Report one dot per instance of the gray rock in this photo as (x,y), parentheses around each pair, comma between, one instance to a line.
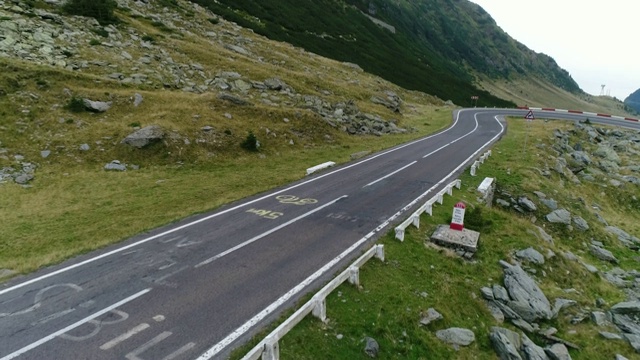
(506,343)
(45,153)
(500,293)
(569,256)
(560,216)
(626,308)
(431,316)
(550,203)
(145,136)
(620,357)
(580,223)
(532,351)
(592,269)
(456,336)
(602,254)
(626,324)
(275,84)
(85,147)
(622,235)
(558,352)
(546,237)
(599,318)
(238,49)
(527,204)
(610,336)
(96,106)
(562,304)
(608,154)
(634,341)
(371,347)
(531,255)
(495,311)
(233,99)
(503,203)
(137,99)
(523,289)
(115,165)
(23,179)
(581,157)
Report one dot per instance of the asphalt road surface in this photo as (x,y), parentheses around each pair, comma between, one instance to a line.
(200,287)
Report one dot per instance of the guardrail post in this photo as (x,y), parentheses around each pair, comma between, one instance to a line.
(440,199)
(489,152)
(458,183)
(320,308)
(429,208)
(473,170)
(450,190)
(271,349)
(400,233)
(416,220)
(380,252)
(354,276)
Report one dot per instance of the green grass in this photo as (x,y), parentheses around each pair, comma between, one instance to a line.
(388,305)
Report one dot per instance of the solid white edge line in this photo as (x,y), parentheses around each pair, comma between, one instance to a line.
(71,267)
(393,173)
(73,326)
(213,351)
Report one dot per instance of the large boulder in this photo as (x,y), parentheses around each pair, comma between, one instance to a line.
(524,291)
(96,106)
(456,336)
(145,136)
(506,343)
(560,216)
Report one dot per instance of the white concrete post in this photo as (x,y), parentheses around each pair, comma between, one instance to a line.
(440,199)
(271,349)
(380,252)
(450,190)
(320,308)
(354,275)
(473,170)
(400,233)
(416,220)
(429,208)
(458,183)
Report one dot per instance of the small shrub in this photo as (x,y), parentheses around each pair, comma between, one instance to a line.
(161,26)
(67,53)
(75,105)
(42,84)
(588,122)
(148,38)
(474,219)
(100,32)
(227,131)
(214,21)
(69,121)
(101,10)
(250,143)
(135,124)
(94,42)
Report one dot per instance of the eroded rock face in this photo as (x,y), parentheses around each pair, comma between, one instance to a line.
(144,137)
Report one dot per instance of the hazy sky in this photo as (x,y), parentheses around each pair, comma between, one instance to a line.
(595,41)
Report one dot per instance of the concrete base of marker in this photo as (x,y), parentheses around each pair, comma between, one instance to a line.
(466,240)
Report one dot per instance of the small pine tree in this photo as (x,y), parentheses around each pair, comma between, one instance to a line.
(250,143)
(101,10)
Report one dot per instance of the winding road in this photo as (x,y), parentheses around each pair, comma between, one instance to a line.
(200,287)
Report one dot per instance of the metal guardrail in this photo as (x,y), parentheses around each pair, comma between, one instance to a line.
(414,219)
(477,163)
(268,349)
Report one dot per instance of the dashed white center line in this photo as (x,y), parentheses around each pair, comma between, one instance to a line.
(393,173)
(117,340)
(239,246)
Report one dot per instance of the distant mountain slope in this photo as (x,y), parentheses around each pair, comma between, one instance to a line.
(437,47)
(633,101)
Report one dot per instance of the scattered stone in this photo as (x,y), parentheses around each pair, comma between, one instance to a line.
(532,351)
(524,290)
(599,318)
(144,137)
(558,352)
(371,347)
(96,106)
(580,223)
(45,153)
(531,255)
(137,99)
(85,147)
(527,204)
(431,316)
(456,336)
(233,99)
(560,216)
(506,343)
(603,254)
(611,336)
(115,165)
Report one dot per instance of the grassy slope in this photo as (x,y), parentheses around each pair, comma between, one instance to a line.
(389,303)
(74,206)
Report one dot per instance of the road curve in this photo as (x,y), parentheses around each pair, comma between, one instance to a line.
(204,285)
